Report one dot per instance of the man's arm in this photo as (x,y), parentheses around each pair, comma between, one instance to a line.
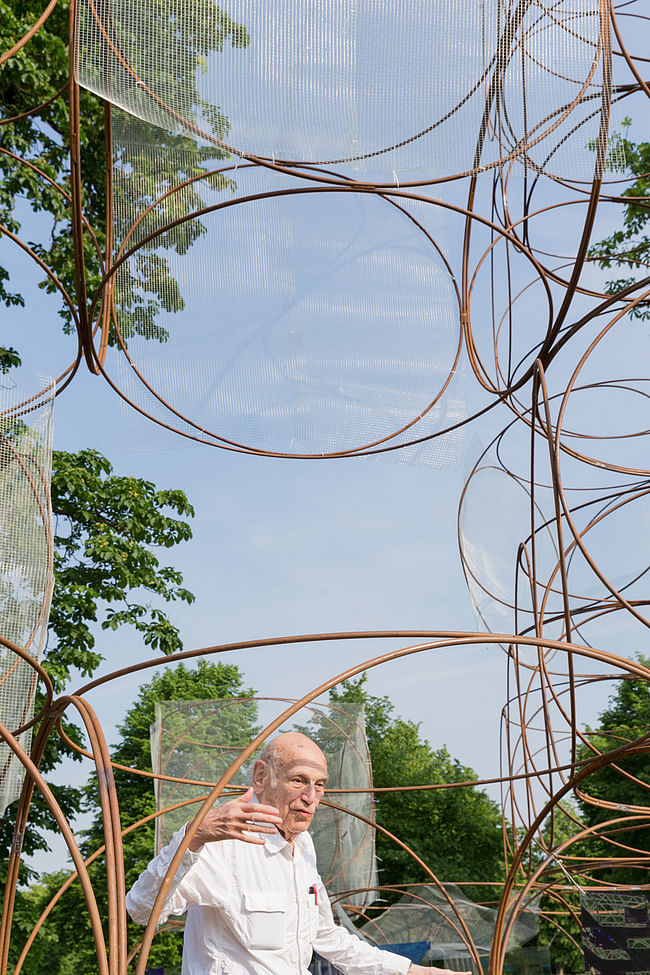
(356,957)
(141,897)
(235,820)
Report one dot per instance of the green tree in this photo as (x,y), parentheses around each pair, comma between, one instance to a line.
(107,531)
(628,247)
(51,947)
(457,832)
(67,932)
(626,783)
(35,164)
(107,527)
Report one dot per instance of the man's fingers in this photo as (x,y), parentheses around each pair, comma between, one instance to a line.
(240,819)
(250,838)
(263,812)
(255,817)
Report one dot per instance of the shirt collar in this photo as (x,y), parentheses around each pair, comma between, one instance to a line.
(275,842)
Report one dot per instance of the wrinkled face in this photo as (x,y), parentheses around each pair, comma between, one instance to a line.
(295,786)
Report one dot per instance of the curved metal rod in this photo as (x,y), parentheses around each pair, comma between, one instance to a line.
(74,876)
(115,886)
(29,34)
(507,912)
(71,843)
(83,320)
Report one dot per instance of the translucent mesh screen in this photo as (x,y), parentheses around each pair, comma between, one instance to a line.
(426,915)
(25,567)
(495,522)
(438,87)
(304,322)
(200,739)
(508,538)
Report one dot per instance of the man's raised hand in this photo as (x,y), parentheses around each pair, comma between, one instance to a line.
(237,820)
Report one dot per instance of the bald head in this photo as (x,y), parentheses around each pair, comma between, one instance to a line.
(291,775)
(292,747)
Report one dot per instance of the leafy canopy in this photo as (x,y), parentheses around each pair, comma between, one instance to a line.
(107,528)
(66,941)
(457,832)
(629,245)
(35,164)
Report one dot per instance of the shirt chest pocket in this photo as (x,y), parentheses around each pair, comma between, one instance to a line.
(265,918)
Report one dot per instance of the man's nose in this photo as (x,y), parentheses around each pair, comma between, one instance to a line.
(309,792)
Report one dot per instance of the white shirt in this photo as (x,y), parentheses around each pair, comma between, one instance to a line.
(255,910)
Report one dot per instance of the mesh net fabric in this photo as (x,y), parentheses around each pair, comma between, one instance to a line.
(494,528)
(25,566)
(199,740)
(433,88)
(323,322)
(429,917)
(345,844)
(311,323)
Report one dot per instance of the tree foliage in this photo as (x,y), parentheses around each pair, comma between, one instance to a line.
(628,246)
(457,832)
(67,941)
(9,359)
(35,163)
(627,783)
(108,529)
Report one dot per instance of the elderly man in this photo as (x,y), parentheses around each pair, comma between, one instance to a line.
(257,906)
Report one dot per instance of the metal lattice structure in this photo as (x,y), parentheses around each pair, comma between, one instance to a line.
(404,204)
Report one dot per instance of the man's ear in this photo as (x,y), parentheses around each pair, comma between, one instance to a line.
(259,776)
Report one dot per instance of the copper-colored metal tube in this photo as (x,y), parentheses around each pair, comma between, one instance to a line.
(19,45)
(66,832)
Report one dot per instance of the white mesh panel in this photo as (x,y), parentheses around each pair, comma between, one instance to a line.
(25,566)
(434,87)
(310,323)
